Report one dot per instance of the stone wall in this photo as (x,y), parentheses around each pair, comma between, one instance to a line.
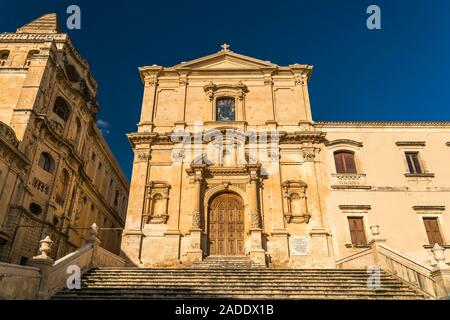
(18,282)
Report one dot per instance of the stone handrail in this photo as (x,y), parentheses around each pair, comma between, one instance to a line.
(433,281)
(106,258)
(406,268)
(356,260)
(58,273)
(54,275)
(394,262)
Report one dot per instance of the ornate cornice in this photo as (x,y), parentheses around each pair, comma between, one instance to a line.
(302,137)
(142,138)
(212,89)
(32,37)
(293,184)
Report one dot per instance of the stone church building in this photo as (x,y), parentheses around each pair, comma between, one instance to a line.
(57,174)
(228,162)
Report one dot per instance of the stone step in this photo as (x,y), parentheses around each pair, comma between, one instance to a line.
(188,294)
(224,271)
(236,283)
(239,277)
(250,290)
(238,280)
(244,288)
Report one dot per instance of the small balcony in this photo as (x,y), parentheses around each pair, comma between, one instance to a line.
(349,181)
(59,200)
(40,186)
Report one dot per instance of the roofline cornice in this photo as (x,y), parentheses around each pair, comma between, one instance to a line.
(391,124)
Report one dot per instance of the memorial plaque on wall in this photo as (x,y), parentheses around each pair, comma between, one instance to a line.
(299,245)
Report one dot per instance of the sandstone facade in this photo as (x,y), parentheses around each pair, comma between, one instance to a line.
(265,180)
(57,174)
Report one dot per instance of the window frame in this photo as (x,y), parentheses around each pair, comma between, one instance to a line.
(414,163)
(345,162)
(225,97)
(46,162)
(432,239)
(354,241)
(65,115)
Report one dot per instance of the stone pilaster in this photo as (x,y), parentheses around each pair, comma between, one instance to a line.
(257,253)
(195,252)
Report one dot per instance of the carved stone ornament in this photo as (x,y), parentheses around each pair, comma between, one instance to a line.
(143,155)
(57,127)
(295,202)
(156,203)
(211,89)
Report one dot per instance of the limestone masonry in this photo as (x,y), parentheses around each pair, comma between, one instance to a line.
(229,162)
(57,174)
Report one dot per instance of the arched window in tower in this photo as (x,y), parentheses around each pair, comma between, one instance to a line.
(4,54)
(30,54)
(225,109)
(345,162)
(61,108)
(46,162)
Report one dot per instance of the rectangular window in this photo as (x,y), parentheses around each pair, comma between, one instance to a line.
(414,166)
(357,233)
(345,162)
(433,232)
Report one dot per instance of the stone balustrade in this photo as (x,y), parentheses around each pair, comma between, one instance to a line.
(44,277)
(433,280)
(343,180)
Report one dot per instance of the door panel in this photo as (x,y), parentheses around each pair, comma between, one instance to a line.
(226,225)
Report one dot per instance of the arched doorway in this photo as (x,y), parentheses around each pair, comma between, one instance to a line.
(226,225)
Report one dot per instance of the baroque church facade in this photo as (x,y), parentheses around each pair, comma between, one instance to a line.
(57,174)
(229,162)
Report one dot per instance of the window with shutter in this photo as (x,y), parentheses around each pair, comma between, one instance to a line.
(432,229)
(412,158)
(345,162)
(357,232)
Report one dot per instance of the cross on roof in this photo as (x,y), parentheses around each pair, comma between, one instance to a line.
(225,47)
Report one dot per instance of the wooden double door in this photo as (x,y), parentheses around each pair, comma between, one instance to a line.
(226,225)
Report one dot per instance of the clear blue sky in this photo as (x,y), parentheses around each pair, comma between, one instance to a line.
(398,73)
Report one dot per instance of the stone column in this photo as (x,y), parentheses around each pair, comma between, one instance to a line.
(195,252)
(257,253)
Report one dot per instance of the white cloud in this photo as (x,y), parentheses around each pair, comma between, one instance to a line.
(103,127)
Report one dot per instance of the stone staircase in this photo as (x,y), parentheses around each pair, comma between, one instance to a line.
(236,278)
(226,262)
